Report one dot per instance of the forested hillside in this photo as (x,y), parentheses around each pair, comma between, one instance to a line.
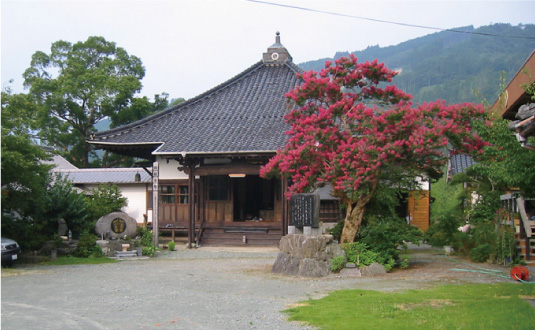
(451,66)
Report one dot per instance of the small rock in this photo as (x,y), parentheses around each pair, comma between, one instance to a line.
(373,269)
(350,272)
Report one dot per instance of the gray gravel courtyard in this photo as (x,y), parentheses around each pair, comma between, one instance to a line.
(206,288)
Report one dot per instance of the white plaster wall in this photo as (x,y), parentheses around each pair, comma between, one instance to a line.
(136,195)
(137,200)
(169,171)
(424,184)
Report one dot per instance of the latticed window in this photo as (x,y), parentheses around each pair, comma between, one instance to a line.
(183,194)
(173,194)
(218,188)
(330,211)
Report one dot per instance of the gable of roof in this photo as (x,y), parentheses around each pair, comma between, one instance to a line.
(59,163)
(243,115)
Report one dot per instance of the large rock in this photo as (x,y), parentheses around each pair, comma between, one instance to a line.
(116,225)
(307,256)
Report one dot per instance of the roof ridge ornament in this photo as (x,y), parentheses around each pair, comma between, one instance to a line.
(277,53)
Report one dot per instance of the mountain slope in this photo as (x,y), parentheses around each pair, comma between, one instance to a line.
(451,66)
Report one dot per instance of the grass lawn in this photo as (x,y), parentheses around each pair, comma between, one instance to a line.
(79,261)
(481,306)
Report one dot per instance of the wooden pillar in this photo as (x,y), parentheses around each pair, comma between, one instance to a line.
(191,199)
(155,205)
(284,189)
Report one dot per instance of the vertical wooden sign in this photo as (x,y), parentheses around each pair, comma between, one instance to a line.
(155,202)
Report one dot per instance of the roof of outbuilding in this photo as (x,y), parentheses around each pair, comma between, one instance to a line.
(243,115)
(460,162)
(60,163)
(105,175)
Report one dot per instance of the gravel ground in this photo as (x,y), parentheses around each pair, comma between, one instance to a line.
(205,288)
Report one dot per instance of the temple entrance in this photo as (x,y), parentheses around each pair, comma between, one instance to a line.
(254,198)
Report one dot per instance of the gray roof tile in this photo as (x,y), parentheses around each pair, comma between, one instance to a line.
(460,162)
(105,175)
(244,114)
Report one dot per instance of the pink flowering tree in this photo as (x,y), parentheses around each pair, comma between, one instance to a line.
(353,130)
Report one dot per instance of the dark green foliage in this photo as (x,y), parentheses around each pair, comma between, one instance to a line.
(24,175)
(463,242)
(505,245)
(338,263)
(443,231)
(63,202)
(361,255)
(386,235)
(148,247)
(336,231)
(504,164)
(87,247)
(77,85)
(451,66)
(105,199)
(447,199)
(139,109)
(481,253)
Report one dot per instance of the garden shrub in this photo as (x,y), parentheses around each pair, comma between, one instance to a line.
(338,263)
(62,201)
(106,198)
(336,231)
(171,246)
(359,254)
(480,253)
(404,262)
(386,236)
(443,231)
(87,247)
(148,247)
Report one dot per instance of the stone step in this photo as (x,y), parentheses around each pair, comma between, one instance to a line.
(126,254)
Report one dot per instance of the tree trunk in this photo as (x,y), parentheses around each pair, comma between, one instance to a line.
(105,159)
(353,219)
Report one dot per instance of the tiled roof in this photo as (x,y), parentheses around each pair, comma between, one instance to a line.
(244,114)
(459,162)
(105,175)
(60,163)
(325,192)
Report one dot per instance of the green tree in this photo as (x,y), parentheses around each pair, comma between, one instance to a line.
(505,163)
(24,174)
(104,199)
(77,85)
(64,202)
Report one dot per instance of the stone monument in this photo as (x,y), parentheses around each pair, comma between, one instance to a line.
(116,225)
(304,214)
(304,251)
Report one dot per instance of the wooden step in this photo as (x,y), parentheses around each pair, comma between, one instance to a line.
(523,249)
(238,237)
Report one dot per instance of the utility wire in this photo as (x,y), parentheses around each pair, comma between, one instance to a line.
(389,22)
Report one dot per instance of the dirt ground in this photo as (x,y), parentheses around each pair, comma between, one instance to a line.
(205,288)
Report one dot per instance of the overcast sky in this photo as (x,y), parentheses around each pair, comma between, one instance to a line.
(188,47)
